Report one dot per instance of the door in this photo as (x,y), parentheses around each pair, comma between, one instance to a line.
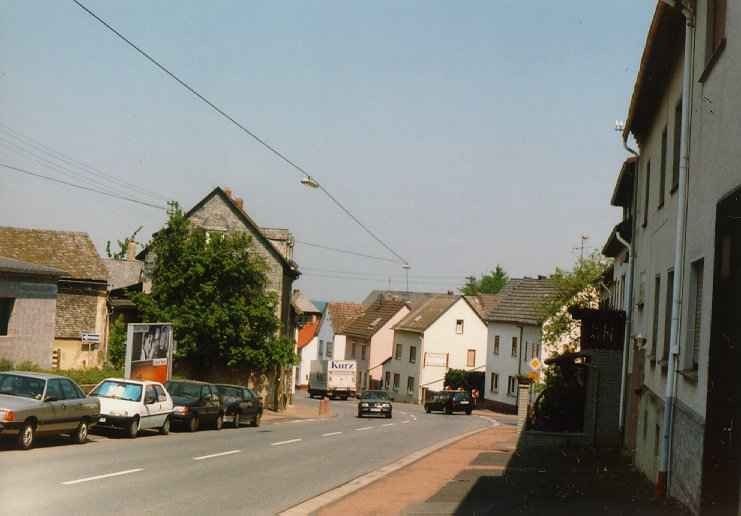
(249,404)
(151,410)
(74,402)
(164,406)
(720,493)
(210,402)
(60,417)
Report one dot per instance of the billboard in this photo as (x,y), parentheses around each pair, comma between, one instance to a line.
(149,351)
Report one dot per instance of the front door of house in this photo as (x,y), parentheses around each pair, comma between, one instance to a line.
(720,493)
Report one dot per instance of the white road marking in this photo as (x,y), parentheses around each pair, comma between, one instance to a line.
(230,452)
(388,424)
(405,422)
(413,417)
(100,477)
(330,434)
(280,443)
(363,428)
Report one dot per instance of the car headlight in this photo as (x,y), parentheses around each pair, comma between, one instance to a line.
(386,405)
(7,415)
(363,404)
(181,410)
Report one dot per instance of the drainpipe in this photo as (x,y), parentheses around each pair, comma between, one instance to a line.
(627,302)
(679,257)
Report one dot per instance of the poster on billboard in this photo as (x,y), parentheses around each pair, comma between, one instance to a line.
(149,351)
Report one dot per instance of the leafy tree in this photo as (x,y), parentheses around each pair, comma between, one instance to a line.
(117,343)
(580,288)
(490,283)
(212,287)
(455,378)
(123,246)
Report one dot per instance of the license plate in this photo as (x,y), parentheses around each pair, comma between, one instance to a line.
(101,420)
(375,410)
(464,403)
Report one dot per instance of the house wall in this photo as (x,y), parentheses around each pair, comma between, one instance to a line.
(340,347)
(382,343)
(353,351)
(404,368)
(216,215)
(306,355)
(504,364)
(31,326)
(80,312)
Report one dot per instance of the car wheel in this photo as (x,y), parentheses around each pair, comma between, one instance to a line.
(165,428)
(133,429)
(468,412)
(237,420)
(388,416)
(360,414)
(219,423)
(428,409)
(26,436)
(80,435)
(256,421)
(448,411)
(193,424)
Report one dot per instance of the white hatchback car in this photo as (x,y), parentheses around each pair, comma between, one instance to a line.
(133,405)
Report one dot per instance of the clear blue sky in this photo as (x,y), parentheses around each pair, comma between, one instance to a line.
(466,134)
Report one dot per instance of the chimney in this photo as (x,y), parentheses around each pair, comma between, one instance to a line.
(239,203)
(130,250)
(228,192)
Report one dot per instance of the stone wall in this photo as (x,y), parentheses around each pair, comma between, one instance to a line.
(685,477)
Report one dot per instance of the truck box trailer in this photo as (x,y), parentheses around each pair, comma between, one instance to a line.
(333,378)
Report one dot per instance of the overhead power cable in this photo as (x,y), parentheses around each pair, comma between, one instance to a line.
(244,129)
(345,251)
(81,187)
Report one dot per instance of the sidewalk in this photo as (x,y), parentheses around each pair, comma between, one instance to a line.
(487,474)
(293,412)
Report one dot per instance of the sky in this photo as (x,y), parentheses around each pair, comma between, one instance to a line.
(465,135)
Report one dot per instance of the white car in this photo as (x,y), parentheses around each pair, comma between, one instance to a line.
(133,405)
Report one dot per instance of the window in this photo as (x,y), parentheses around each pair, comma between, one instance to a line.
(647,193)
(716,28)
(645,425)
(247,395)
(662,170)
(6,308)
(54,390)
(354,350)
(494,384)
(677,145)
(387,383)
(397,354)
(397,381)
(410,385)
(695,328)
(514,346)
(321,348)
(657,439)
(471,358)
(330,349)
(655,330)
(459,327)
(363,352)
(161,395)
(149,395)
(412,354)
(668,315)
(496,344)
(511,386)
(70,390)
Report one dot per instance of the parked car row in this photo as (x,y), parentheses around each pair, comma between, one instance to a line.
(34,404)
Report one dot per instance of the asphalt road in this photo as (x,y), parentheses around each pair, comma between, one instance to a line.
(233,471)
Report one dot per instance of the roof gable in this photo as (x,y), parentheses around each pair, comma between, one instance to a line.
(425,315)
(69,251)
(521,300)
(375,317)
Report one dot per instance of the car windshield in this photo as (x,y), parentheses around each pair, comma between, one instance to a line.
(184,389)
(23,386)
(461,396)
(118,390)
(375,395)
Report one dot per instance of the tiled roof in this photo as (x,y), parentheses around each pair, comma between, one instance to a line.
(307,332)
(303,304)
(9,265)
(419,319)
(521,301)
(343,314)
(123,273)
(415,298)
(374,317)
(69,251)
(483,303)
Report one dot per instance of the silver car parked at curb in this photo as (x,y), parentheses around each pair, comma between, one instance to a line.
(36,403)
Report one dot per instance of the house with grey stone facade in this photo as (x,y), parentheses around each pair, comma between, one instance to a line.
(681,267)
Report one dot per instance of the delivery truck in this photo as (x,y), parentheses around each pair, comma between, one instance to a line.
(333,378)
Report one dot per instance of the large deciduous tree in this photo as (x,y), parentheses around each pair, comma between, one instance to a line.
(490,283)
(212,287)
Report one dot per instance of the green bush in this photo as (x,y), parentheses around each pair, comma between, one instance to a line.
(80,376)
(5,364)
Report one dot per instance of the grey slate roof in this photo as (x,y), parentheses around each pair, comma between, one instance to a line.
(422,317)
(483,303)
(9,265)
(415,298)
(303,304)
(521,300)
(123,273)
(70,251)
(343,314)
(374,317)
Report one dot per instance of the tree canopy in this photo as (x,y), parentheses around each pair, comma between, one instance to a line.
(579,287)
(212,287)
(490,283)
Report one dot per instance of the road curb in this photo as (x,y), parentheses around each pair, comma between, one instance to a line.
(318,502)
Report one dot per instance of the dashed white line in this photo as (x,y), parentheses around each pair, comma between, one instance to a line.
(361,429)
(100,477)
(405,422)
(388,424)
(280,443)
(330,434)
(230,452)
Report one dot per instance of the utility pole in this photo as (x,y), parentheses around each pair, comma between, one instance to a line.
(406,268)
(582,246)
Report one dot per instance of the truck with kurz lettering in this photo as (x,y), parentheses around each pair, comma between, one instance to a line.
(332,378)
